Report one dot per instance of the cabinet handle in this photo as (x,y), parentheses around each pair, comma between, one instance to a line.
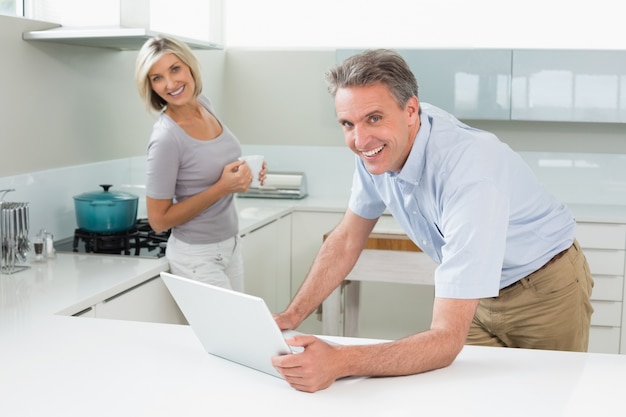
(81,312)
(260,227)
(113,297)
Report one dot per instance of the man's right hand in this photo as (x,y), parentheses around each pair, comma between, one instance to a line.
(285,321)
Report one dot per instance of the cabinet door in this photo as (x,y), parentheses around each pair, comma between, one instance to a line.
(469,83)
(150,301)
(267,263)
(308,229)
(604,247)
(582,86)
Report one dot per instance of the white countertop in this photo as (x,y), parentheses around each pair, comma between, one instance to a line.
(600,213)
(68,284)
(52,364)
(254,212)
(80,366)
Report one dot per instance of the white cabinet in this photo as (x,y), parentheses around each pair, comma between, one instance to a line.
(267,262)
(469,83)
(604,245)
(149,301)
(541,85)
(308,230)
(557,85)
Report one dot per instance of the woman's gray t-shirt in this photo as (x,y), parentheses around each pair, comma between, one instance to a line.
(180,166)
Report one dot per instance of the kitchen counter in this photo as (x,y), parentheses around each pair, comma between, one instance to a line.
(55,364)
(600,213)
(254,212)
(66,285)
(70,366)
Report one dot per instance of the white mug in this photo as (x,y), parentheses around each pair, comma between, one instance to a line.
(255,162)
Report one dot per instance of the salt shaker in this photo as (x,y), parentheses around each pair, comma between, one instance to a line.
(50,251)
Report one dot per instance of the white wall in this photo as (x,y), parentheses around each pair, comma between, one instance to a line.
(67,105)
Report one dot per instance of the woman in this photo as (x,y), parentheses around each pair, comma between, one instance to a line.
(193,169)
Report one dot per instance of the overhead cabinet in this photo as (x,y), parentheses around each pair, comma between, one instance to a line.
(471,84)
(582,86)
(537,85)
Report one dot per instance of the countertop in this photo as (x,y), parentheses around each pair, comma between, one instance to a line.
(66,285)
(72,366)
(255,211)
(54,364)
(599,213)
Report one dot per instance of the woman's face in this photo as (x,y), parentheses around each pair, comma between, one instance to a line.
(171,79)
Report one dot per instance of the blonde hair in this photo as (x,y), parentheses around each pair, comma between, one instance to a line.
(153,50)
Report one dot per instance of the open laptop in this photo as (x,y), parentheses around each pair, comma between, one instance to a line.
(230,324)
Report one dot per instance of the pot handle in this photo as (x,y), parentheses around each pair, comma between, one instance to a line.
(102,203)
(106,187)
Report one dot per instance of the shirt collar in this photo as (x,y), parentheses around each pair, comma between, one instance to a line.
(413,168)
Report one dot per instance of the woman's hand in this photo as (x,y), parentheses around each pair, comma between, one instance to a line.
(236,177)
(263,174)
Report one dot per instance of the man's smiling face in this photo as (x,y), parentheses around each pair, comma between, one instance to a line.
(375,127)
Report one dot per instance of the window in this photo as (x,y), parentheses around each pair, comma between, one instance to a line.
(424,24)
(12,7)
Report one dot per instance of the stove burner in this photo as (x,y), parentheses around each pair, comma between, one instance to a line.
(122,243)
(148,238)
(109,243)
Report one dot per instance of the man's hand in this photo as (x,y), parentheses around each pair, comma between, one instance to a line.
(313,369)
(285,321)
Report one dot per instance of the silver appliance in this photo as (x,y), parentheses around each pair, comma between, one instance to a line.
(287,185)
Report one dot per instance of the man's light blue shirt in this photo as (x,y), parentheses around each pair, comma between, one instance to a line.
(470,203)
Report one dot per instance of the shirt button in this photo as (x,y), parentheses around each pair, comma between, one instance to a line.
(424,243)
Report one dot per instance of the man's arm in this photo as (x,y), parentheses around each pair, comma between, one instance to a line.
(335,260)
(320,364)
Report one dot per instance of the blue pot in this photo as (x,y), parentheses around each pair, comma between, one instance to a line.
(106,211)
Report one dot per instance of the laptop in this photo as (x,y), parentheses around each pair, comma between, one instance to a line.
(230,324)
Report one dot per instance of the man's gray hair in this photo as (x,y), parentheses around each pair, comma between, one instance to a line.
(377,66)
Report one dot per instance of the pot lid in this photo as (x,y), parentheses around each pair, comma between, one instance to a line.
(106,195)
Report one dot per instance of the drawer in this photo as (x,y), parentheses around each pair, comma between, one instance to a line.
(605,262)
(607,287)
(604,339)
(606,313)
(601,235)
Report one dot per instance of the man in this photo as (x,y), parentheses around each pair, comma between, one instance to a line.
(510,272)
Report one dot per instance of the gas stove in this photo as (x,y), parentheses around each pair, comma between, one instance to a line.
(141,241)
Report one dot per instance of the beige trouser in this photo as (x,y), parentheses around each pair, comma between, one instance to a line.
(549,309)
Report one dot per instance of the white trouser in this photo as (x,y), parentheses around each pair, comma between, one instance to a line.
(219,264)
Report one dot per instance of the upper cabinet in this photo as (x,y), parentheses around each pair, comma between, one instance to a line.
(564,85)
(471,84)
(109,37)
(539,85)
(127,24)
